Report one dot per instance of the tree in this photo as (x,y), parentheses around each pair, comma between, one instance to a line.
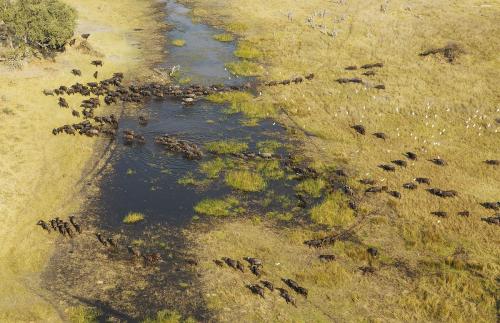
(44,24)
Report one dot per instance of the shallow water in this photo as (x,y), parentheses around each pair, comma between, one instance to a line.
(144,178)
(152,188)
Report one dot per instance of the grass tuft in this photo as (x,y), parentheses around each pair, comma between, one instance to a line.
(244,180)
(133,217)
(217,207)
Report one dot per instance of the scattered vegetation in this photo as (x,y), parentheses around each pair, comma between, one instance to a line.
(245,68)
(225,37)
(217,207)
(226,146)
(178,42)
(245,180)
(133,217)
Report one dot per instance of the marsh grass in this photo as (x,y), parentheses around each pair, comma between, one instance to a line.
(133,217)
(225,37)
(245,180)
(178,42)
(245,68)
(226,146)
(218,207)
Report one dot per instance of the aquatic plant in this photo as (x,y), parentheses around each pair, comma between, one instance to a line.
(244,180)
(133,217)
(217,207)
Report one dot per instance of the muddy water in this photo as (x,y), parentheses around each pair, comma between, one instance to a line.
(144,178)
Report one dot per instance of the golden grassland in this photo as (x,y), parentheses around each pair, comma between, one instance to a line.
(40,173)
(433,269)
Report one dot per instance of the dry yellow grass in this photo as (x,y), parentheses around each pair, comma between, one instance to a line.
(429,106)
(40,173)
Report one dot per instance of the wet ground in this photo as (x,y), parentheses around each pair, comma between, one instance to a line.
(145,178)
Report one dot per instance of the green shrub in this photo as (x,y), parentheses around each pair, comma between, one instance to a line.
(43,24)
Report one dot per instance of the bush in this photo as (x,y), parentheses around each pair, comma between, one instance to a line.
(43,24)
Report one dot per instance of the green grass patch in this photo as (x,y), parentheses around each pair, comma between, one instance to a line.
(133,217)
(245,68)
(185,80)
(82,314)
(217,207)
(226,146)
(236,27)
(213,168)
(312,187)
(244,180)
(225,37)
(286,216)
(270,169)
(190,180)
(333,211)
(268,146)
(178,42)
(247,51)
(243,102)
(169,316)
